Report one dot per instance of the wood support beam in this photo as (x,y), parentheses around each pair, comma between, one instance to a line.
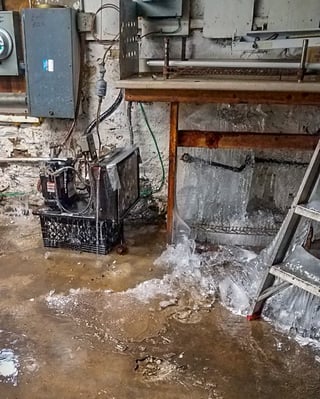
(209,139)
(195,138)
(222,97)
(12,84)
(173,144)
(15,5)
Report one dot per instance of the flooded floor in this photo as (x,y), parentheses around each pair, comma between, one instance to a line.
(70,327)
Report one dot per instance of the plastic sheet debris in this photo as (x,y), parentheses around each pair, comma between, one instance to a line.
(234,274)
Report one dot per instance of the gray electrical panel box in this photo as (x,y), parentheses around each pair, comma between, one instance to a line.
(159,8)
(52,59)
(293,15)
(227,18)
(10,43)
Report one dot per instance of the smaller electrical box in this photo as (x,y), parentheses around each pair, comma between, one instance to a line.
(227,18)
(10,43)
(52,61)
(159,8)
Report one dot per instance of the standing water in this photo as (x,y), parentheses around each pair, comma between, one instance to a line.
(234,274)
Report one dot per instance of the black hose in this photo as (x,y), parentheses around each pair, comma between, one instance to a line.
(105,114)
(129,117)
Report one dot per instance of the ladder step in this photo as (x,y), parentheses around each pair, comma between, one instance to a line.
(307,212)
(273,290)
(293,271)
(299,278)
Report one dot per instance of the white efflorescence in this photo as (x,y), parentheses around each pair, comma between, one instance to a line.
(9,367)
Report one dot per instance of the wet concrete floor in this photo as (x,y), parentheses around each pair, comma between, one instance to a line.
(74,331)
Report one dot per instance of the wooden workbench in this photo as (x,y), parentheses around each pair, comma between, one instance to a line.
(201,91)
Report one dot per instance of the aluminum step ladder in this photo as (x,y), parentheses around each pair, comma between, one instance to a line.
(276,267)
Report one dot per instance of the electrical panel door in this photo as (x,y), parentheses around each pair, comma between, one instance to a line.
(52,58)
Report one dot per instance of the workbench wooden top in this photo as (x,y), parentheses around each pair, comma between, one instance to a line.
(252,85)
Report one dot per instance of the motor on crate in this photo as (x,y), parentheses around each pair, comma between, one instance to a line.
(57,180)
(97,194)
(109,185)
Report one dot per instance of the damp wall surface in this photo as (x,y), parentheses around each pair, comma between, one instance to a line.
(249,205)
(256,198)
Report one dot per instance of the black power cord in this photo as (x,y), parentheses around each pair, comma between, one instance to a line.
(104,115)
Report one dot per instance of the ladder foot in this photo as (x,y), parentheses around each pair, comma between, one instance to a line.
(254,316)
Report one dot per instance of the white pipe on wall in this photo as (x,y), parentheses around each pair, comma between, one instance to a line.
(23,160)
(13,100)
(233,64)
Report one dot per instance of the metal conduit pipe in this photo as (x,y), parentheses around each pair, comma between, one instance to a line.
(233,64)
(13,100)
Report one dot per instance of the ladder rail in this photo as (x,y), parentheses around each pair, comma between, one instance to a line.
(287,232)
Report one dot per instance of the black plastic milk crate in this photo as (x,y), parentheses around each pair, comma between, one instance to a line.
(79,232)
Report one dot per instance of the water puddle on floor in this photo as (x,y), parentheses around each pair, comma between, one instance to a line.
(82,326)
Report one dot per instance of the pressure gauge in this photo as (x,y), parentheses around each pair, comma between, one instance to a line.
(6,44)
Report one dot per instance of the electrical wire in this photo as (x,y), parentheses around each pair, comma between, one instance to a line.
(69,134)
(156,32)
(258,39)
(129,118)
(63,169)
(163,32)
(61,207)
(99,116)
(14,194)
(272,37)
(106,113)
(94,20)
(157,148)
(115,39)
(97,126)
(74,122)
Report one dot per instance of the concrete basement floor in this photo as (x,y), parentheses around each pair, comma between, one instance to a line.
(94,343)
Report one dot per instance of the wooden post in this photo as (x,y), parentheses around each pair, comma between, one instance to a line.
(173,141)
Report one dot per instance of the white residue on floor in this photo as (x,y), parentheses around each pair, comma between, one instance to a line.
(59,302)
(9,367)
(185,272)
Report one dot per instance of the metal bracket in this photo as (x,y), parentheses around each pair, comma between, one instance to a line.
(129,48)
